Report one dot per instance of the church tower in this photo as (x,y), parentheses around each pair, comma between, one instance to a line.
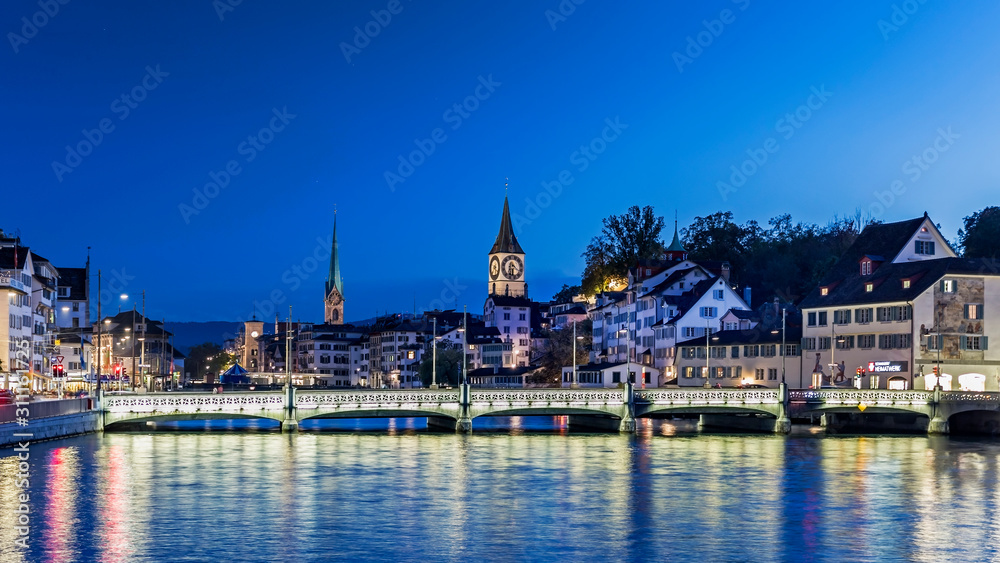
(334,300)
(506,267)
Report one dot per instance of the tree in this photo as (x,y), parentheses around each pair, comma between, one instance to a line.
(980,237)
(558,353)
(624,240)
(449,365)
(209,358)
(566,294)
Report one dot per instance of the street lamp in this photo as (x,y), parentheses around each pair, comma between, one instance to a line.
(575,384)
(708,355)
(434,355)
(782,344)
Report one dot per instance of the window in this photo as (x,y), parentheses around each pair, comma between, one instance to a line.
(906,284)
(823,343)
(949,286)
(824,291)
(973,342)
(925,247)
(616,376)
(506,330)
(76,306)
(822,318)
(759,374)
(869,287)
(768,350)
(897,313)
(708,312)
(842,316)
(772,373)
(506,316)
(974,311)
(521,316)
(751,351)
(863,315)
(735,352)
(63,292)
(934,341)
(893,341)
(866,267)
(809,343)
(718,294)
(812,319)
(791,349)
(866,341)
(731,326)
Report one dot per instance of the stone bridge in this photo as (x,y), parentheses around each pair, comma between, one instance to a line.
(611,409)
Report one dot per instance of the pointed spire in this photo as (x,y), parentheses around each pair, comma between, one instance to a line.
(333,278)
(675,245)
(506,241)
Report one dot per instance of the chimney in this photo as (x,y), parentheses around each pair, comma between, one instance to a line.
(746,296)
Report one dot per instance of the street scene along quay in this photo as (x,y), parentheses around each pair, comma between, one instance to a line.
(386,281)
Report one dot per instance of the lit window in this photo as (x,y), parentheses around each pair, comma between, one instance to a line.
(869,287)
(824,291)
(906,284)
(949,286)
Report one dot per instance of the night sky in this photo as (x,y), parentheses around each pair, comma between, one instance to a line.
(291,111)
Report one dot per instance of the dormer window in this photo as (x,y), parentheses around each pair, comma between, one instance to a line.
(866,267)
(906,284)
(824,291)
(869,287)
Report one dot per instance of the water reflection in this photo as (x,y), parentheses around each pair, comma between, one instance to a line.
(529,494)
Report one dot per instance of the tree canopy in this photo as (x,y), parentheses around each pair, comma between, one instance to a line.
(449,364)
(980,234)
(558,352)
(624,239)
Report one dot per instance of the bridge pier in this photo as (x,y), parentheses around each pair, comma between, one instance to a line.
(783,424)
(464,422)
(938,425)
(290,424)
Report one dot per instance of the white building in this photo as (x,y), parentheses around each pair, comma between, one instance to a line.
(899,304)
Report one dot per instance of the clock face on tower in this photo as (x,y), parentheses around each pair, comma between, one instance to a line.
(254,334)
(494,268)
(512,267)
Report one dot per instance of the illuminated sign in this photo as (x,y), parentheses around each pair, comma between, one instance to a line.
(888,367)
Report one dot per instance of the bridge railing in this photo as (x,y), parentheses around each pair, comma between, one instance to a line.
(315,399)
(708,396)
(193,402)
(856,396)
(606,396)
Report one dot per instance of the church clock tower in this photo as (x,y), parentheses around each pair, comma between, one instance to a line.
(334,300)
(506,262)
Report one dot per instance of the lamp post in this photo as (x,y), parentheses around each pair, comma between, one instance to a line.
(434,355)
(574,384)
(940,344)
(465,346)
(783,349)
(708,355)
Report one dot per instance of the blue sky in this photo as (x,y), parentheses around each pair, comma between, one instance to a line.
(538,81)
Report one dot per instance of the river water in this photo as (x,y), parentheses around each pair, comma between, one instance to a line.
(400,493)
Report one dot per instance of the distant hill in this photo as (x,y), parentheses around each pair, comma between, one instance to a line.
(187,335)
